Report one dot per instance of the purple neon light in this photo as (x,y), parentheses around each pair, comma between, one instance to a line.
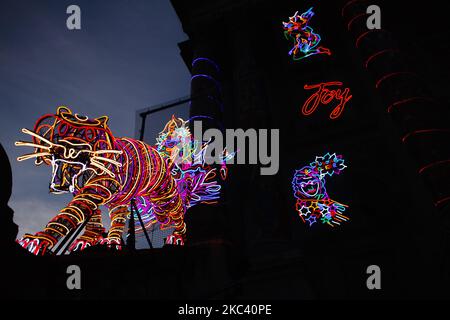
(206,60)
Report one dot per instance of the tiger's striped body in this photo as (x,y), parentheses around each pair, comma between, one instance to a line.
(102,170)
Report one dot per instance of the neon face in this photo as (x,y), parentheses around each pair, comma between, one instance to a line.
(313,203)
(99,169)
(305,40)
(310,187)
(324,95)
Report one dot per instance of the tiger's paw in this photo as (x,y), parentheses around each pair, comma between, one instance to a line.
(79,245)
(112,243)
(34,244)
(175,239)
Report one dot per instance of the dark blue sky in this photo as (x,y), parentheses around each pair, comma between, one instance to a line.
(124,58)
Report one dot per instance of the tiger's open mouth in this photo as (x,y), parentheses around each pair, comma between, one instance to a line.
(65,174)
(310,188)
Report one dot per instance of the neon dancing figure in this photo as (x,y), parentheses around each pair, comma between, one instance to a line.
(305,40)
(313,203)
(99,169)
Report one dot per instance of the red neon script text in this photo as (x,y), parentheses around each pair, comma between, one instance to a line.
(325,96)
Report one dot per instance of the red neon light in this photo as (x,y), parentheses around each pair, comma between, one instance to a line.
(354,18)
(423,131)
(358,40)
(391,75)
(439,202)
(325,96)
(346,5)
(379,53)
(395,104)
(433,164)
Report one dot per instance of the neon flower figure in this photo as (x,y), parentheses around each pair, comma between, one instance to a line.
(100,169)
(313,203)
(305,40)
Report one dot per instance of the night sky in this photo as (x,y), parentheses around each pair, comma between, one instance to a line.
(124,58)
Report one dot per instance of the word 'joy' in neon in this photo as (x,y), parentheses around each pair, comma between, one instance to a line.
(325,95)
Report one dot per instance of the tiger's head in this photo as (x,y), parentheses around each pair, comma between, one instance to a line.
(76,147)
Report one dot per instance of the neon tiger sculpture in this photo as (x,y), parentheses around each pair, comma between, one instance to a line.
(305,40)
(313,202)
(99,169)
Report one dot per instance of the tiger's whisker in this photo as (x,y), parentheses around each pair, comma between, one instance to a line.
(31,133)
(97,158)
(29,144)
(106,151)
(32,155)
